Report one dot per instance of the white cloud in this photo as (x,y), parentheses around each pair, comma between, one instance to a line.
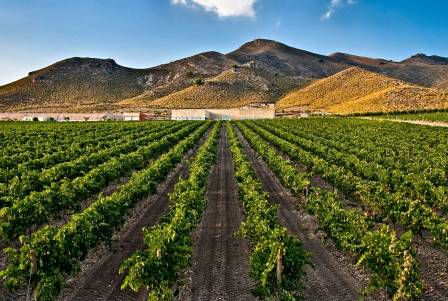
(334,4)
(223,8)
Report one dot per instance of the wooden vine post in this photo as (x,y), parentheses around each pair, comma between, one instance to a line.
(33,258)
(279,266)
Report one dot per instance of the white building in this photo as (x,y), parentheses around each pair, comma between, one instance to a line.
(36,118)
(190,114)
(131,116)
(254,111)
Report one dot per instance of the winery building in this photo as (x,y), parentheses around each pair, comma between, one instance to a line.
(253,111)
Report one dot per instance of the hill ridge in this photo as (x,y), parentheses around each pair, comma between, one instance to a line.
(356,90)
(83,84)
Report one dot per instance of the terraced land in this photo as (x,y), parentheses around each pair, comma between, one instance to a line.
(317,208)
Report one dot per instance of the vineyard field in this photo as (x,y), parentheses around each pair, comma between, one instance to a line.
(432,117)
(319,208)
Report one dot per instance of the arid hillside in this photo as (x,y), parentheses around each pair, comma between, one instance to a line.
(237,86)
(420,69)
(259,71)
(359,90)
(76,84)
(90,85)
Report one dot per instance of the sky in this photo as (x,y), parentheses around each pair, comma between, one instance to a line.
(146,33)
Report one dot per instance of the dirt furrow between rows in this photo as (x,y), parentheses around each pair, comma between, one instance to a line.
(330,278)
(434,270)
(220,265)
(433,260)
(100,280)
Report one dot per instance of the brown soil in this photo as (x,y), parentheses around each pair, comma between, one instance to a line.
(433,260)
(434,270)
(108,190)
(333,275)
(220,265)
(99,278)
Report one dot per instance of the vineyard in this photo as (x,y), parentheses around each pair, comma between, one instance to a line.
(432,117)
(285,209)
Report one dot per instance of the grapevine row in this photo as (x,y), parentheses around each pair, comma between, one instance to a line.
(53,252)
(383,204)
(168,245)
(38,180)
(420,152)
(37,208)
(411,185)
(20,165)
(15,152)
(391,260)
(277,259)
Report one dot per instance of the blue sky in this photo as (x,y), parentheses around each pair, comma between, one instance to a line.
(144,33)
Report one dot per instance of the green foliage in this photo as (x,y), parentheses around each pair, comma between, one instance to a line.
(198,81)
(391,194)
(287,172)
(168,245)
(27,148)
(269,240)
(391,260)
(433,117)
(38,207)
(59,249)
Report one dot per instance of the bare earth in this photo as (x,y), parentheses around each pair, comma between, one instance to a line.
(332,276)
(99,278)
(220,265)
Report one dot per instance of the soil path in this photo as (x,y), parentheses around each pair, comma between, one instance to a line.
(433,269)
(329,278)
(101,281)
(433,260)
(220,265)
(419,122)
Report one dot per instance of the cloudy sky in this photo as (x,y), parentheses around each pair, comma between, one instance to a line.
(144,33)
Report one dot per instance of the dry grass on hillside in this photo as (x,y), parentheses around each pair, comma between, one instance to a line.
(358,90)
(72,85)
(232,88)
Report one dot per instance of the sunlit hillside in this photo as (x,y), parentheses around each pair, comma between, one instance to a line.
(358,90)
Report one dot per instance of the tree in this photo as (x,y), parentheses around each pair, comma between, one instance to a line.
(198,81)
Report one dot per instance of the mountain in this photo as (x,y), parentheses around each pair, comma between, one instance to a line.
(86,84)
(286,60)
(71,85)
(359,90)
(422,58)
(241,85)
(258,71)
(427,71)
